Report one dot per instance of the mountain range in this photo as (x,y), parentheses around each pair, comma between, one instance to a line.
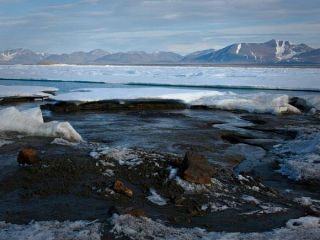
(269,53)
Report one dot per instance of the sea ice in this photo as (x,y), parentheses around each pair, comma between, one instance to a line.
(255,77)
(25,91)
(31,122)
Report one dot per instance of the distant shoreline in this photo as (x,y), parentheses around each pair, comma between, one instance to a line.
(182,65)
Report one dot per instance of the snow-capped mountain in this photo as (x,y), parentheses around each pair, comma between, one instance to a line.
(21,56)
(75,57)
(199,56)
(140,57)
(310,57)
(273,51)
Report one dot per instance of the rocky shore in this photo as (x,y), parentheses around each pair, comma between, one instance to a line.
(144,167)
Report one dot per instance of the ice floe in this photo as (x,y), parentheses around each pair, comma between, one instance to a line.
(25,91)
(146,228)
(80,230)
(30,122)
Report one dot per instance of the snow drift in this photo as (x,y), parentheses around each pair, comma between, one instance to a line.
(31,122)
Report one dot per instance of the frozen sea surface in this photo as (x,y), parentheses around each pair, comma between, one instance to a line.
(274,78)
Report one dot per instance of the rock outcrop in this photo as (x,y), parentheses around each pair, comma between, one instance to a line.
(196,168)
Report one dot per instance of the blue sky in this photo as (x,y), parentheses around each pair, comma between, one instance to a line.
(172,25)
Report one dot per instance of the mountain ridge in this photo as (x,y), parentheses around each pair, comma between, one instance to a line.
(267,53)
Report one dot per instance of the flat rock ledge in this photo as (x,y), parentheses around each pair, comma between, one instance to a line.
(115,105)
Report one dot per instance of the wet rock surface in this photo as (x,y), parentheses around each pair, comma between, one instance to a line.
(119,187)
(196,169)
(300,103)
(28,156)
(115,105)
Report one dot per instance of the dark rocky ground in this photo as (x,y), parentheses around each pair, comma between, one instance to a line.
(245,193)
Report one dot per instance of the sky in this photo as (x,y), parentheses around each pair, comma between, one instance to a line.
(181,26)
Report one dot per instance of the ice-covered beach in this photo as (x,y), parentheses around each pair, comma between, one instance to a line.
(112,144)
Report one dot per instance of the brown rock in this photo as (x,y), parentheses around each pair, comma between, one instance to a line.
(28,156)
(137,212)
(119,187)
(196,169)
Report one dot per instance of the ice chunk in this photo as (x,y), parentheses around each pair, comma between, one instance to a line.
(258,102)
(31,122)
(156,198)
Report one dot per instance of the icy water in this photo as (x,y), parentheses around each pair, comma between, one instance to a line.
(263,179)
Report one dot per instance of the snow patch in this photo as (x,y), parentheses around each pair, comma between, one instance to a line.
(31,122)
(80,230)
(238,48)
(191,187)
(173,172)
(250,199)
(146,228)
(156,198)
(280,49)
(124,156)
